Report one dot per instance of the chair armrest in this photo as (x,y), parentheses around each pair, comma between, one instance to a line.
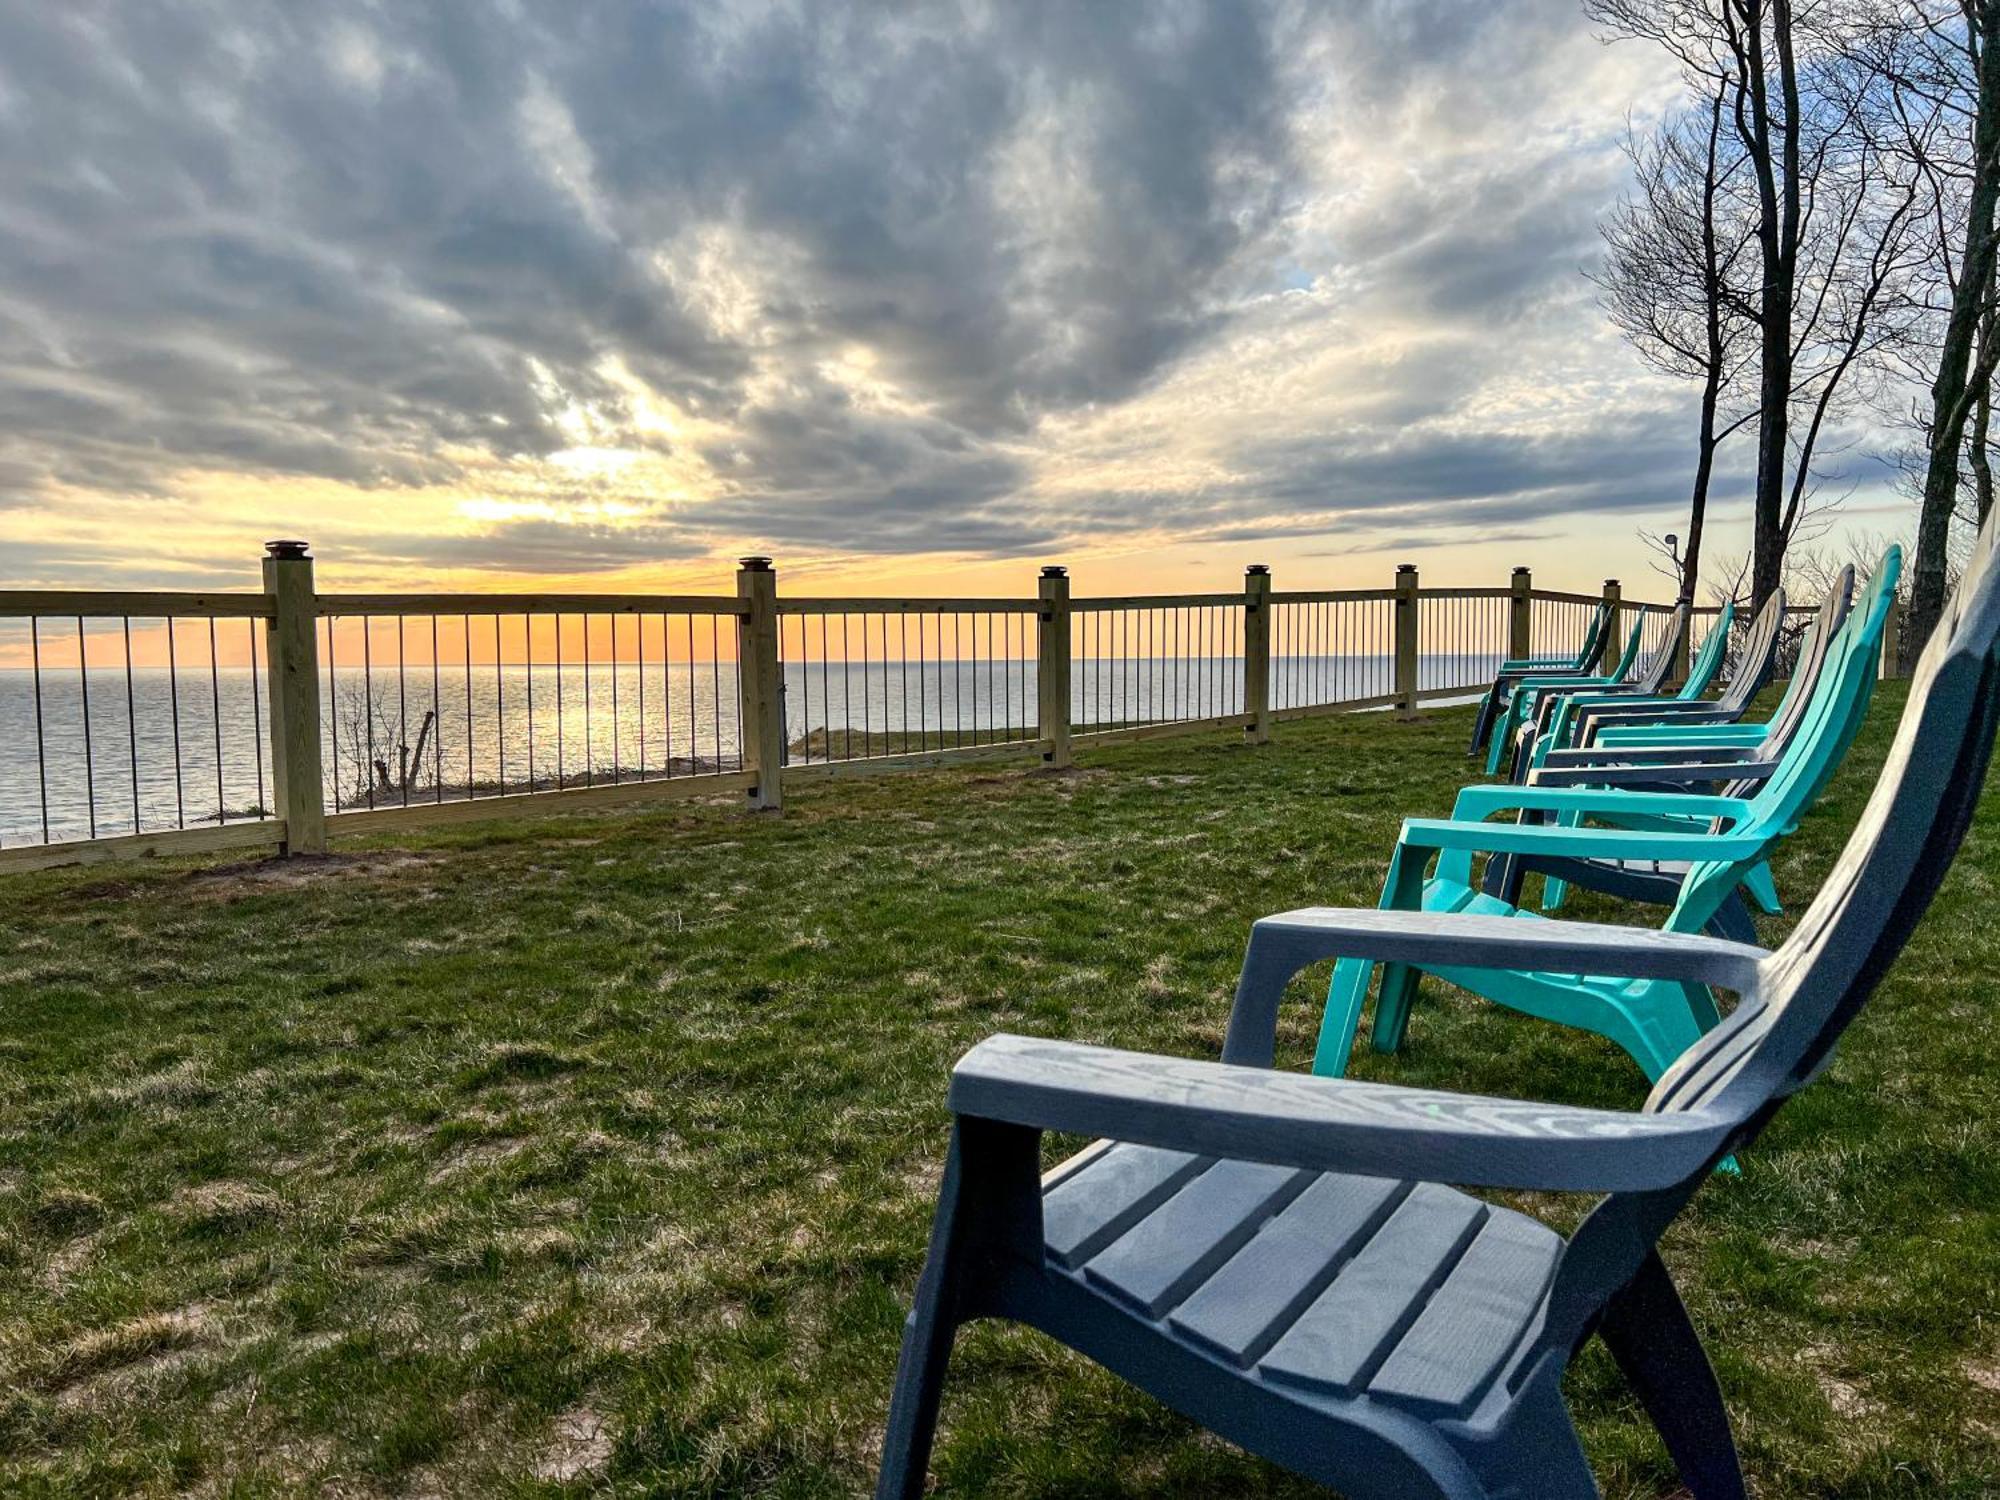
(1719,732)
(1645,755)
(1658,711)
(1705,773)
(1484,801)
(1577,843)
(1331,1124)
(1282,945)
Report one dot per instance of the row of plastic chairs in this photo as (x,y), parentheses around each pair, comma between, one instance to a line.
(1296,1262)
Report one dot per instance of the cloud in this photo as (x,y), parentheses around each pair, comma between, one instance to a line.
(988,278)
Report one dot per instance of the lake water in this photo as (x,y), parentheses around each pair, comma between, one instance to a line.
(168,749)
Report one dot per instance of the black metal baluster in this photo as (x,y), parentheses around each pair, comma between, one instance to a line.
(257,716)
(332,715)
(499,714)
(41,744)
(83,688)
(131,723)
(437,719)
(402,711)
(465,672)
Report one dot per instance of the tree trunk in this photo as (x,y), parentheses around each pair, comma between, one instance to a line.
(1777,240)
(1954,392)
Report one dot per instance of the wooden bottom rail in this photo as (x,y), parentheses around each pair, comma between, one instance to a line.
(914,760)
(263,833)
(1345,706)
(534,804)
(1160,730)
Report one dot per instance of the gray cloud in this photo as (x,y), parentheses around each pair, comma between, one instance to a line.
(388,246)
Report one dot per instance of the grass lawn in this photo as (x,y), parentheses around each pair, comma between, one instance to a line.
(595,1154)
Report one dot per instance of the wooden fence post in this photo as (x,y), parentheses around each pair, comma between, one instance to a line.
(1521,616)
(1257,652)
(291,674)
(761,682)
(1614,626)
(1892,640)
(1052,666)
(1406,640)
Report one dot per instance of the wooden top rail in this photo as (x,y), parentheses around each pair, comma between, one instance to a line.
(1335,596)
(1557,596)
(1155,601)
(1481,593)
(530,604)
(22,603)
(808,605)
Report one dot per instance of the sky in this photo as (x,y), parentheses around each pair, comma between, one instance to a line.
(486,296)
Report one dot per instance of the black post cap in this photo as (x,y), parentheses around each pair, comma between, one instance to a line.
(1257,570)
(1054,570)
(290,551)
(754,564)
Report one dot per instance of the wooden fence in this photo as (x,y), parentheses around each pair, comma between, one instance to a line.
(306,734)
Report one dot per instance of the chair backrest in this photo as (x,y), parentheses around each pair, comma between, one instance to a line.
(1808,991)
(1593,639)
(1708,661)
(1839,705)
(1653,675)
(1895,859)
(1758,656)
(1813,648)
(1631,652)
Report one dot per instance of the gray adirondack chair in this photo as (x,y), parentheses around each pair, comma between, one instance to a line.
(1695,733)
(1279,1257)
(1646,683)
(1753,669)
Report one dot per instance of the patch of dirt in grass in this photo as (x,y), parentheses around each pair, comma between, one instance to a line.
(224,881)
(186,1082)
(138,1339)
(579,1443)
(225,1208)
(1849,1402)
(484,1153)
(67,1261)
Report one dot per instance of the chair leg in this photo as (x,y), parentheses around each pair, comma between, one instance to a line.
(1763,889)
(1345,995)
(927,1340)
(1732,921)
(1649,1334)
(989,1207)
(1482,723)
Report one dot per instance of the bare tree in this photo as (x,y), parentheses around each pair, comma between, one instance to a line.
(374,754)
(1830,218)
(1938,62)
(1665,285)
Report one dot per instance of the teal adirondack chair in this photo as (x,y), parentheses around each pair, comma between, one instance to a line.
(1735,770)
(1525,695)
(1694,728)
(1515,669)
(1721,840)
(1752,670)
(1558,718)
